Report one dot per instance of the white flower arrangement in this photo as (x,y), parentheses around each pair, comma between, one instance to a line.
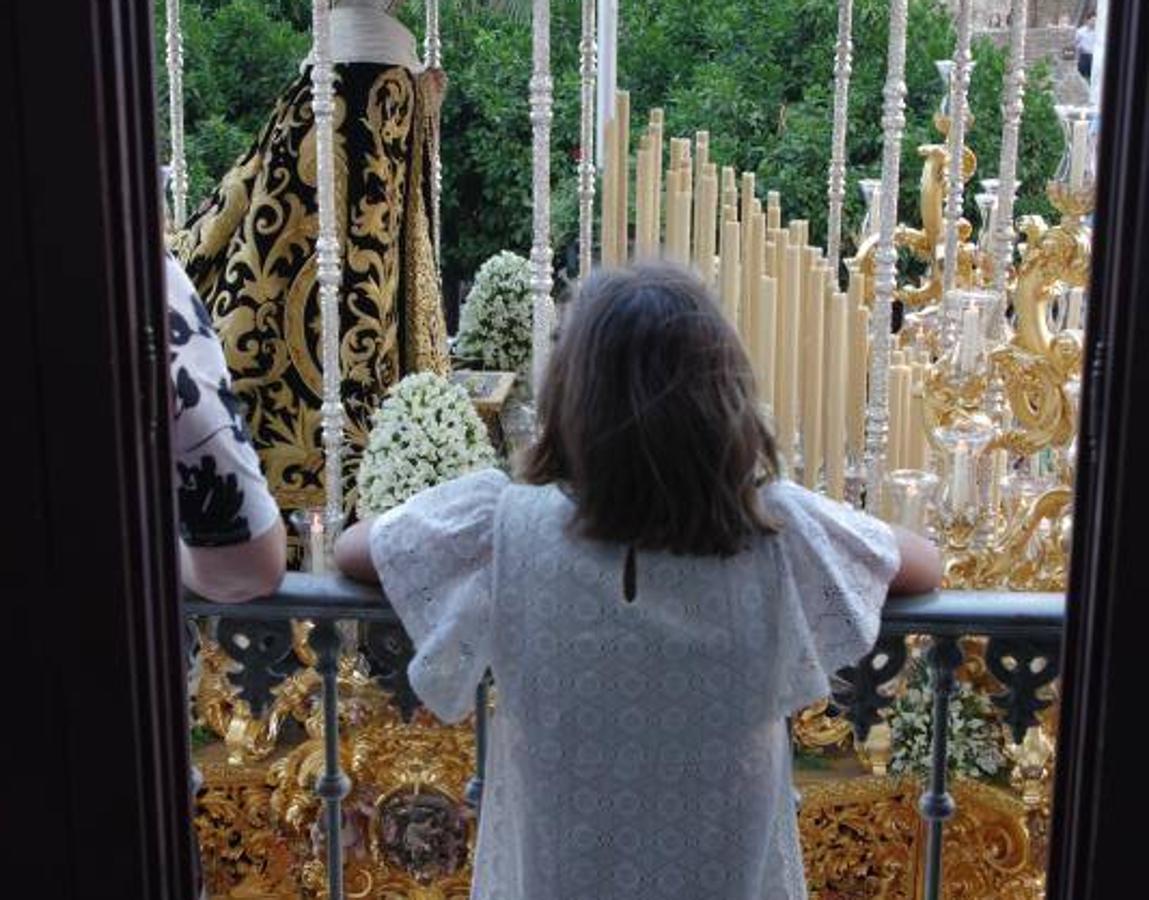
(495,324)
(425,432)
(975,747)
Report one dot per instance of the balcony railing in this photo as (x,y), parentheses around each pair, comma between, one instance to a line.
(1022,653)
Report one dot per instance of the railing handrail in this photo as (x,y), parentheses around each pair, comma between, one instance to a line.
(951,613)
(303,595)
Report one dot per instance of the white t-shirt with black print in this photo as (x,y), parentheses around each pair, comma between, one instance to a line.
(223,498)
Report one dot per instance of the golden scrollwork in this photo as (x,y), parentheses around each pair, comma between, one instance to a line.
(864,837)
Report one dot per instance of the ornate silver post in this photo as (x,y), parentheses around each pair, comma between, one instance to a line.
(959,92)
(433,53)
(541,253)
(1001,247)
(175,62)
(328,265)
(588,71)
(843,64)
(886,257)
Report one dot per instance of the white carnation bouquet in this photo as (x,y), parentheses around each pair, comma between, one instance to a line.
(975,746)
(495,324)
(425,432)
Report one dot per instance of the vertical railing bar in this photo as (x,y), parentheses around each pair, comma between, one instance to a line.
(475,786)
(936,804)
(333,786)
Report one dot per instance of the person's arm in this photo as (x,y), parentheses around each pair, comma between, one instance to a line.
(233,544)
(920,566)
(238,572)
(353,553)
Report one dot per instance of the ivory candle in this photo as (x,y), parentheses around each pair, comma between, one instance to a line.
(1074,318)
(641,199)
(781,294)
(752,293)
(657,119)
(773,210)
(683,204)
(786,387)
(909,435)
(961,484)
(1078,152)
(622,173)
(899,386)
(702,159)
(767,340)
(709,217)
(747,197)
(970,347)
(916,432)
(836,360)
(317,544)
(859,369)
(608,240)
(812,348)
(730,270)
(998,469)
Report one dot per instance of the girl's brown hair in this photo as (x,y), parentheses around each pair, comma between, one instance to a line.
(649,417)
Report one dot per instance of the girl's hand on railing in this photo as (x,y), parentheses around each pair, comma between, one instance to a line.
(353,553)
(920,570)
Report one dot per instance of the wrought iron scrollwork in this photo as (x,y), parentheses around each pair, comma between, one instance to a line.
(1023,667)
(264,650)
(389,651)
(859,692)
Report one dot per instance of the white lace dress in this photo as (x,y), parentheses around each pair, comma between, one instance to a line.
(639,747)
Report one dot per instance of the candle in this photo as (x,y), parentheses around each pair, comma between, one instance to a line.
(1074,317)
(773,210)
(752,292)
(709,218)
(813,341)
(781,293)
(702,159)
(917,444)
(859,371)
(998,471)
(657,119)
(961,487)
(836,360)
(969,349)
(767,340)
(318,551)
(786,388)
(608,241)
(1078,153)
(899,376)
(642,199)
(622,173)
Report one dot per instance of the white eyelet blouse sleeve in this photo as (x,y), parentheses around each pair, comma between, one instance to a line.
(836,565)
(434,557)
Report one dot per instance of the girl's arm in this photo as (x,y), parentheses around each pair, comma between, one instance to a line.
(353,552)
(920,570)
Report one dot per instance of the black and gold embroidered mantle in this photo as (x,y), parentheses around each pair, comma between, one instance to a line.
(250,250)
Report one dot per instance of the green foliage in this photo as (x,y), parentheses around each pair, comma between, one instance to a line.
(759,77)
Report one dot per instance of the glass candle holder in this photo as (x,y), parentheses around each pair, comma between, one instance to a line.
(945,69)
(1076,172)
(963,444)
(871,189)
(967,317)
(312,533)
(911,494)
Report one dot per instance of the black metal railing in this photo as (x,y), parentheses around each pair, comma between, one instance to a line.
(1024,632)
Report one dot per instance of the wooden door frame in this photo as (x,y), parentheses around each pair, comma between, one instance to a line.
(96,787)
(1095,820)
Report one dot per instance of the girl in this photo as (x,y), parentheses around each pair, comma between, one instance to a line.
(653,603)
